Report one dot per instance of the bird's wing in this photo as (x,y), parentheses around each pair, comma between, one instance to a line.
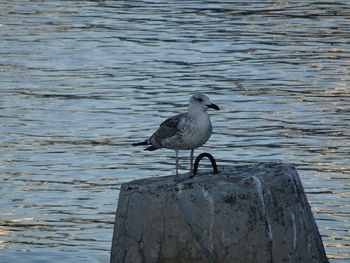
(167,129)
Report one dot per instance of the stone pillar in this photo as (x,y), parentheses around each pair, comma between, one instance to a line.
(245,214)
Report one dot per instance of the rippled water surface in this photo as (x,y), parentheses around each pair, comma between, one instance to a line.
(81,80)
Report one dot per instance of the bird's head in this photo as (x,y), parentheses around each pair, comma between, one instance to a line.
(201,101)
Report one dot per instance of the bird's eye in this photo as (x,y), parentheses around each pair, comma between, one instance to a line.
(200,99)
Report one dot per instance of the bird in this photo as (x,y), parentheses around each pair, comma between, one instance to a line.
(184,131)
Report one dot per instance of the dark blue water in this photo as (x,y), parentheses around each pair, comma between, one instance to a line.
(81,80)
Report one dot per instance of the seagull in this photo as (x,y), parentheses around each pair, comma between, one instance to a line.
(185,131)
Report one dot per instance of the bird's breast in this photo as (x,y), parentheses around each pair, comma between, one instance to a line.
(198,132)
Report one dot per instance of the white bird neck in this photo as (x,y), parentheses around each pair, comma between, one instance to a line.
(196,110)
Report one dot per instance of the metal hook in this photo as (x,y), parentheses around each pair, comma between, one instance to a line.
(200,157)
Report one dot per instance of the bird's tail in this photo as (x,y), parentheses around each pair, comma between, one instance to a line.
(140,143)
(149,148)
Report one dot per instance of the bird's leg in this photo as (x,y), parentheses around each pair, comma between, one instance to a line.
(191,160)
(177,163)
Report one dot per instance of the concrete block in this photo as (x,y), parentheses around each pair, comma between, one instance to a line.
(253,213)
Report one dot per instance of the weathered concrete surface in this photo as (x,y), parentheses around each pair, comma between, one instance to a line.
(254,213)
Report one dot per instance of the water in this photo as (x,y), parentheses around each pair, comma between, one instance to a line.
(81,80)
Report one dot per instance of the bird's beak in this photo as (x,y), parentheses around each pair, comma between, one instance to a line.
(214,106)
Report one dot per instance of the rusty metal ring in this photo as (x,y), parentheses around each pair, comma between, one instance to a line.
(200,157)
